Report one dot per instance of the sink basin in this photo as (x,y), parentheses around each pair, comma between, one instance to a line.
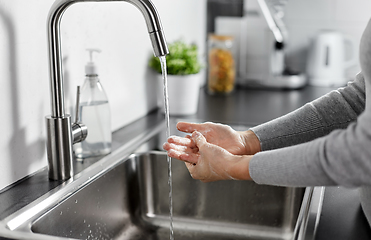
(126,196)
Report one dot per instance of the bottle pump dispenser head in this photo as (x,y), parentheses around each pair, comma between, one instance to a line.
(90,67)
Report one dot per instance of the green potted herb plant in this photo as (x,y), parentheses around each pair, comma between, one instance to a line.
(184,78)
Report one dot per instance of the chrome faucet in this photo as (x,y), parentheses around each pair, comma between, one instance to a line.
(60,133)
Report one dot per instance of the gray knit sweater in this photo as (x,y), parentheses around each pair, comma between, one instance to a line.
(327,142)
(313,159)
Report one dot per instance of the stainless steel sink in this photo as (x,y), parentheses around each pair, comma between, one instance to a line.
(125,196)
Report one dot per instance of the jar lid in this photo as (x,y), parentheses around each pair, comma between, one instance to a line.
(221,37)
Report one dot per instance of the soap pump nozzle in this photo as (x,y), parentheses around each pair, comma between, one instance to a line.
(91,68)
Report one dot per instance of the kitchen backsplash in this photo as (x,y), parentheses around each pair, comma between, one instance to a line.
(118,29)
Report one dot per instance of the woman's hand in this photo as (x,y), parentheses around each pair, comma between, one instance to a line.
(235,142)
(209,162)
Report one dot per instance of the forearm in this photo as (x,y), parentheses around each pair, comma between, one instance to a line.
(335,110)
(251,142)
(295,166)
(340,158)
(239,169)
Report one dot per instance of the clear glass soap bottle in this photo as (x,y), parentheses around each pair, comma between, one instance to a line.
(95,114)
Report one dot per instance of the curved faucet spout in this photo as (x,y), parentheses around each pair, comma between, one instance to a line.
(55,15)
(59,133)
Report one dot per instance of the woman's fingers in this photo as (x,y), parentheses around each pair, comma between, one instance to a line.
(191,158)
(199,139)
(168,146)
(189,127)
(184,141)
(182,152)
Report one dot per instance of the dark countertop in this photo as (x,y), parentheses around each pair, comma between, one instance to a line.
(341,218)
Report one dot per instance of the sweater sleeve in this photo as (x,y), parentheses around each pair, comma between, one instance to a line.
(335,110)
(291,157)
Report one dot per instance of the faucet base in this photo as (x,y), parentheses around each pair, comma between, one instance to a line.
(59,147)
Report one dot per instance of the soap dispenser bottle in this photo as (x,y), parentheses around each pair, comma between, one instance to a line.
(95,114)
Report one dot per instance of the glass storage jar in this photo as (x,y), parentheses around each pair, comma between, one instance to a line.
(221,76)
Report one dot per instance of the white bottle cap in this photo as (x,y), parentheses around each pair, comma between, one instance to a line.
(90,67)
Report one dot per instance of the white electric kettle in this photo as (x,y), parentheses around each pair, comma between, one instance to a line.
(327,63)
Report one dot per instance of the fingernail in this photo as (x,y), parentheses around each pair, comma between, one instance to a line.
(196,134)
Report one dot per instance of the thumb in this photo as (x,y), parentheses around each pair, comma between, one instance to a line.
(198,138)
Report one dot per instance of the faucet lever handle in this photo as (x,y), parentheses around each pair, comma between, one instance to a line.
(79,130)
(77,110)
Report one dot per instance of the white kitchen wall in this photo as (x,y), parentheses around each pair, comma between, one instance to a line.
(306,18)
(303,19)
(118,29)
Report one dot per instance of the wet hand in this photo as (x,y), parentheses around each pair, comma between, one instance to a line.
(235,142)
(208,162)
